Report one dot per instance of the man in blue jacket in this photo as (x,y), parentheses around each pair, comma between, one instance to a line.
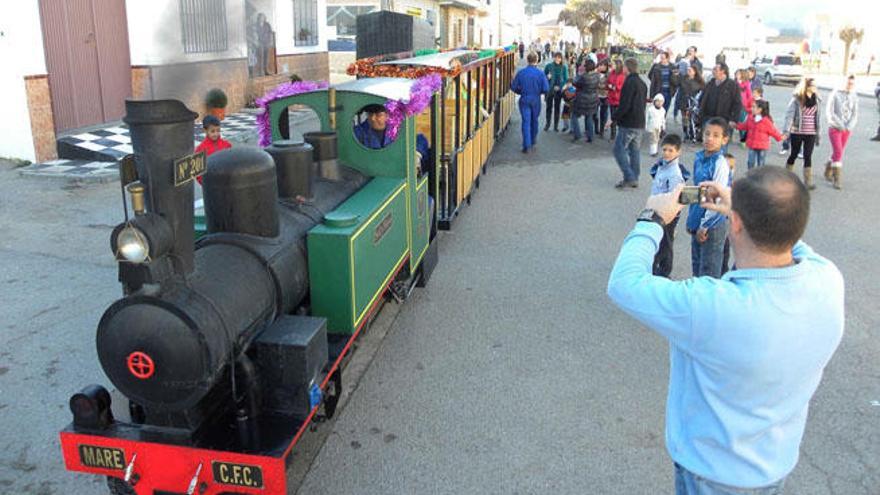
(747,351)
(530,83)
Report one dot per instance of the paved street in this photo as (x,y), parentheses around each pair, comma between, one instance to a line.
(511,373)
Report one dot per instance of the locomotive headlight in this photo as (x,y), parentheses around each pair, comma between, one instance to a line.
(132,245)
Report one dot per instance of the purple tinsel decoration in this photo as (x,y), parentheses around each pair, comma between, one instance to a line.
(264,127)
(419,98)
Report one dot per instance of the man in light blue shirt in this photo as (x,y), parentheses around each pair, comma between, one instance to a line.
(747,351)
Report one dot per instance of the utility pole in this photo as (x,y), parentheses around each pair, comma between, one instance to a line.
(610,15)
(386,5)
(499,40)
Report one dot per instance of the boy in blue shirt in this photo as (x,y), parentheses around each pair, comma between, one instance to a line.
(709,228)
(667,173)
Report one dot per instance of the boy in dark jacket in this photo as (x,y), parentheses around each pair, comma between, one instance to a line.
(630,120)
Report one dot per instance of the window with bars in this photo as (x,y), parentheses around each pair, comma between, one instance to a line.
(203,26)
(305,22)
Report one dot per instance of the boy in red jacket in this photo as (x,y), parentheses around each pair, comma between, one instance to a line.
(759,129)
(213,142)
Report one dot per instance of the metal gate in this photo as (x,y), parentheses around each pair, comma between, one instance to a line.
(87,59)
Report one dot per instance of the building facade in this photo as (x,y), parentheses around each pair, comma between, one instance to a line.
(70,65)
(342,14)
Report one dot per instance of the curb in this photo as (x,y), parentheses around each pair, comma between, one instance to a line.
(97,178)
(830,88)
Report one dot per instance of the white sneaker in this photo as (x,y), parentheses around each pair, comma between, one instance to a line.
(783,152)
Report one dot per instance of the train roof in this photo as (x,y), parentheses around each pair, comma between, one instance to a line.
(392,88)
(442,60)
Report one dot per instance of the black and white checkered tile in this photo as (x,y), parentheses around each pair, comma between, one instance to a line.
(104,147)
(73,169)
(114,142)
(233,124)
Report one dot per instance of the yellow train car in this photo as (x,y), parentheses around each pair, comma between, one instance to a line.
(474,107)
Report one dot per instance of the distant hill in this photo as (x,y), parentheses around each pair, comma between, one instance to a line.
(535,6)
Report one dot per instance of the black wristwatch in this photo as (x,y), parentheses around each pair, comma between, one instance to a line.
(649,215)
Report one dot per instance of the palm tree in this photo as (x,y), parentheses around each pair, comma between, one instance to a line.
(848,35)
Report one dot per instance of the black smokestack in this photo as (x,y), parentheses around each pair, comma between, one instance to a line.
(162,132)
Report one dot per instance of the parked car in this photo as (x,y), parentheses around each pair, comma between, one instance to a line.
(779,68)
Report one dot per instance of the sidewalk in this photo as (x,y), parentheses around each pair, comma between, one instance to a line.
(94,154)
(864,84)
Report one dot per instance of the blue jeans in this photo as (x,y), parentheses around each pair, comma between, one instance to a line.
(756,158)
(530,110)
(576,125)
(601,116)
(688,483)
(626,152)
(707,258)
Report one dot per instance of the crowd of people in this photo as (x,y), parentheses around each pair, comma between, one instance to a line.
(734,422)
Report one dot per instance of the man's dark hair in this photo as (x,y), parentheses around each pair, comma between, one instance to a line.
(632,65)
(774,206)
(724,69)
(594,50)
(694,47)
(209,121)
(589,65)
(720,122)
(375,108)
(532,58)
(673,140)
(557,54)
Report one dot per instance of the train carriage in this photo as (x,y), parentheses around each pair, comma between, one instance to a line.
(223,350)
(474,113)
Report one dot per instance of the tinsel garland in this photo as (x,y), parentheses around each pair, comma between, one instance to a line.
(420,94)
(264,127)
(366,67)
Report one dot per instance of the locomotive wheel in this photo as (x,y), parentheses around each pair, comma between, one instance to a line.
(118,486)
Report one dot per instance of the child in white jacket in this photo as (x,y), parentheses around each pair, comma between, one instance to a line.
(656,121)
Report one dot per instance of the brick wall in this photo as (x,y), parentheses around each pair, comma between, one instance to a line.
(309,66)
(190,82)
(39,101)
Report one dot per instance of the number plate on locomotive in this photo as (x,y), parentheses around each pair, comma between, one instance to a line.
(244,475)
(101,457)
(189,167)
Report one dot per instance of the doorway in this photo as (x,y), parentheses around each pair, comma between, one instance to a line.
(87,59)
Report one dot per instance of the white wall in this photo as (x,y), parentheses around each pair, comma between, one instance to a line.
(154,33)
(284,35)
(21,53)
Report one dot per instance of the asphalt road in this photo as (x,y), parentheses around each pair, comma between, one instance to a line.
(511,373)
